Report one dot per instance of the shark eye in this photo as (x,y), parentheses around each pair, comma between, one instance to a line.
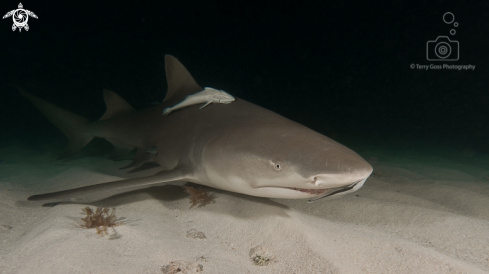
(277,166)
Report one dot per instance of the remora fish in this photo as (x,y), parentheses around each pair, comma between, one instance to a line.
(238,147)
(208,95)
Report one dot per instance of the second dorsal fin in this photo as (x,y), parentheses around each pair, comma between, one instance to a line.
(115,104)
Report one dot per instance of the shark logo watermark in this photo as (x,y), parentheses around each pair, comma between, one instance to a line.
(20,17)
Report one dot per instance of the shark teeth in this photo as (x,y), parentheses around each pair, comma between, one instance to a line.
(310,191)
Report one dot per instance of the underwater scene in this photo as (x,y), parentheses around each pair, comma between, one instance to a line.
(197,137)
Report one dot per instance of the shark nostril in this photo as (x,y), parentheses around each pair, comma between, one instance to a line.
(316,182)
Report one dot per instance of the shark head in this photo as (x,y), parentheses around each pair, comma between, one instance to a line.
(283,160)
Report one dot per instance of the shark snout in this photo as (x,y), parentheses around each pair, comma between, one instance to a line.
(339,180)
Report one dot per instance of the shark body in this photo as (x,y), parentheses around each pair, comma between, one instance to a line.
(207,96)
(238,147)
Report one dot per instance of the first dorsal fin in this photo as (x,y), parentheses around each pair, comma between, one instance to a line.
(115,104)
(180,81)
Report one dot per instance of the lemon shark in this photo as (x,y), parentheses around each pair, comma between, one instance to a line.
(238,147)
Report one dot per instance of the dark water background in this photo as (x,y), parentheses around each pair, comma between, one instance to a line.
(341,68)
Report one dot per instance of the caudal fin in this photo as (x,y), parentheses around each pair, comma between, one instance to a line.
(69,123)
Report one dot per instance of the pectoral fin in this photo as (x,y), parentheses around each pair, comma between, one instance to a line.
(141,158)
(206,104)
(104,190)
(166,111)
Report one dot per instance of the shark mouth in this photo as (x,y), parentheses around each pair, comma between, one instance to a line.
(333,191)
(310,191)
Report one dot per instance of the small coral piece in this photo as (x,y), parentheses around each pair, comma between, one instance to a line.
(182,267)
(261,256)
(261,260)
(100,219)
(193,233)
(199,196)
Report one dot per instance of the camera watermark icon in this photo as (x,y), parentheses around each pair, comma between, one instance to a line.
(442,49)
(20,17)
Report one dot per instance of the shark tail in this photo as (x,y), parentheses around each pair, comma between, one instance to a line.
(72,125)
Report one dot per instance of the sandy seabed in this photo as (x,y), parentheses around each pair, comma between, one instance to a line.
(417,214)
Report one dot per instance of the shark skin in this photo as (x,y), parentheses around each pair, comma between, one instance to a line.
(238,147)
(207,96)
